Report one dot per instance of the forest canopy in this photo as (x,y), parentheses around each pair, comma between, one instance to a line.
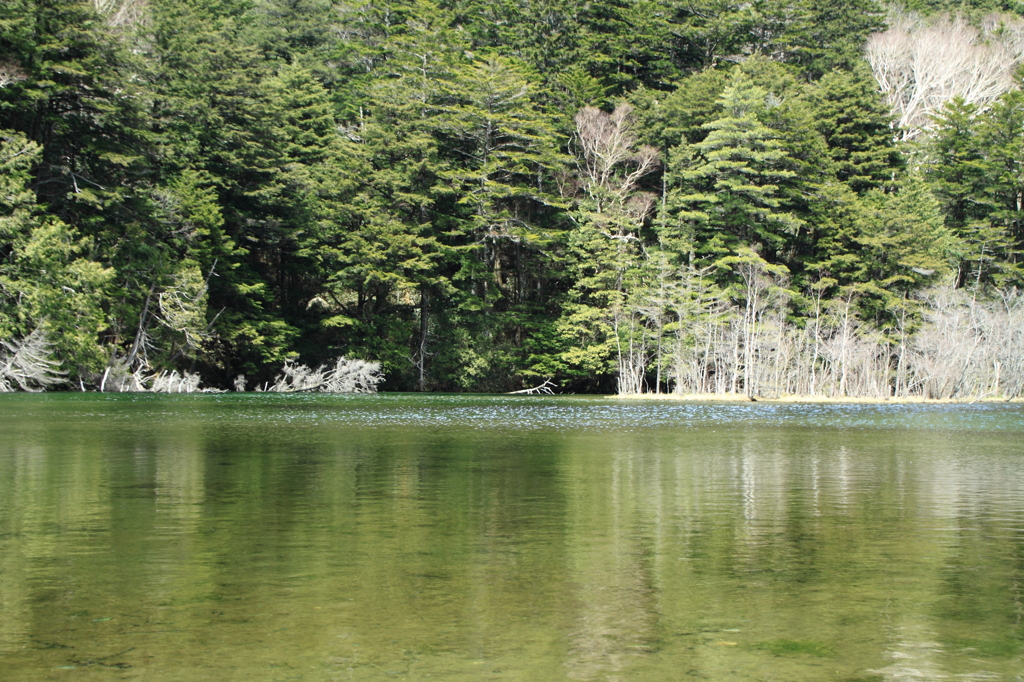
(620,195)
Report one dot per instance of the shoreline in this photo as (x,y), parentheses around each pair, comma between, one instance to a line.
(790,399)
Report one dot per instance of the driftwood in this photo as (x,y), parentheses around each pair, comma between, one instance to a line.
(545,388)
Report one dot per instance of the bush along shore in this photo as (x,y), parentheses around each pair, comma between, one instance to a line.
(28,366)
(961,350)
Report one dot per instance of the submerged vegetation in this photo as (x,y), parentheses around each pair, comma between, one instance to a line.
(710,197)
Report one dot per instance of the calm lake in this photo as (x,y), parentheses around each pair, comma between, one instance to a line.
(301,537)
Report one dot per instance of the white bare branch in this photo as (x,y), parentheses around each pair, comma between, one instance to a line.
(172,382)
(609,164)
(123,13)
(545,388)
(10,73)
(922,64)
(345,376)
(28,365)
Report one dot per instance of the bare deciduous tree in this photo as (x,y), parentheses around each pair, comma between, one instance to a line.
(610,164)
(920,64)
(609,167)
(947,344)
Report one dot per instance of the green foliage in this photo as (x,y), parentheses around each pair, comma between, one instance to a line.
(476,194)
(857,128)
(670,119)
(45,280)
(831,35)
(588,328)
(973,166)
(734,185)
(999,247)
(76,99)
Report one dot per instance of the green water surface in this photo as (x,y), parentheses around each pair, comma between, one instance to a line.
(300,537)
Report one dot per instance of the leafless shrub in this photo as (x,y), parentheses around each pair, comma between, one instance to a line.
(969,348)
(922,64)
(10,73)
(119,376)
(1008,337)
(354,376)
(296,378)
(172,382)
(28,365)
(345,376)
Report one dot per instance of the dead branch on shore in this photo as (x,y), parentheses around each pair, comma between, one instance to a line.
(345,376)
(28,365)
(545,388)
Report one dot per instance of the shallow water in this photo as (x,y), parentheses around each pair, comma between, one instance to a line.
(269,537)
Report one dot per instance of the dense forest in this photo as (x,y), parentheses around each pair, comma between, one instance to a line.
(693,196)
